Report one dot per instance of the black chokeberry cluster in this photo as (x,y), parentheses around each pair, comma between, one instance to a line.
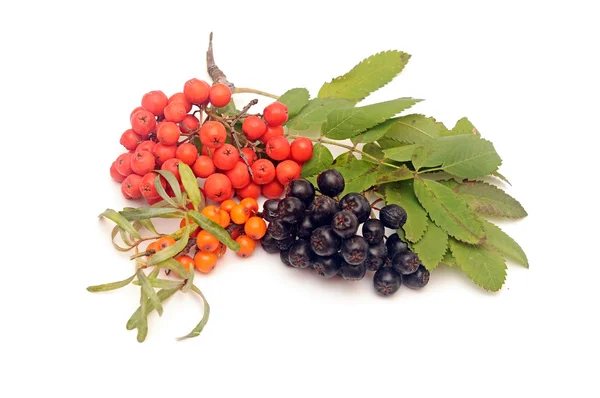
(338,237)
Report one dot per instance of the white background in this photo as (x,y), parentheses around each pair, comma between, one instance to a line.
(525,73)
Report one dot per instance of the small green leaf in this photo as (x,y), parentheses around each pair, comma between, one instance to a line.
(295,99)
(448,258)
(401,153)
(111,286)
(500,176)
(484,266)
(374,150)
(488,199)
(121,221)
(206,313)
(347,123)
(138,315)
(449,211)
(369,75)
(464,126)
(403,195)
(344,159)
(413,129)
(173,182)
(359,175)
(197,143)
(163,194)
(473,157)
(171,251)
(321,160)
(498,240)
(162,283)
(387,174)
(215,229)
(316,113)
(175,266)
(190,183)
(432,247)
(149,291)
(145,213)
(228,110)
(374,133)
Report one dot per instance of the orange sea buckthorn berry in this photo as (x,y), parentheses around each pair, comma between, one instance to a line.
(212,213)
(205,262)
(247,246)
(152,246)
(206,241)
(228,205)
(255,228)
(240,214)
(165,242)
(225,219)
(251,204)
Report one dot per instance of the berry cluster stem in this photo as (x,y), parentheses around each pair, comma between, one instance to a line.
(239,90)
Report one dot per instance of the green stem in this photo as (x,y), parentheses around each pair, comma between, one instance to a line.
(239,90)
(352,149)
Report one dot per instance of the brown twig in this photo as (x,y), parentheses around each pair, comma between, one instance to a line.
(214,72)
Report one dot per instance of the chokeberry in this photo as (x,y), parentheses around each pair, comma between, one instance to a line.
(406,263)
(327,266)
(344,224)
(354,250)
(279,230)
(373,231)
(303,190)
(291,210)
(270,211)
(331,182)
(417,279)
(357,204)
(322,210)
(285,244)
(305,227)
(324,242)
(393,216)
(387,281)
(301,256)
(269,244)
(395,245)
(352,272)
(284,255)
(376,256)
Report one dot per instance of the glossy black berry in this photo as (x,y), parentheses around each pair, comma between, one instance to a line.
(406,263)
(376,256)
(331,183)
(305,227)
(285,244)
(345,224)
(392,216)
(387,281)
(373,231)
(324,242)
(327,266)
(301,255)
(269,244)
(352,272)
(417,279)
(354,250)
(322,210)
(270,211)
(357,204)
(284,255)
(395,245)
(279,229)
(303,190)
(291,210)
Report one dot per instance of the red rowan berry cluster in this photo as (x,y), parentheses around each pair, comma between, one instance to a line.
(165,131)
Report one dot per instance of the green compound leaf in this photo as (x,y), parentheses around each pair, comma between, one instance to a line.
(200,326)
(149,291)
(488,199)
(295,99)
(498,240)
(432,247)
(316,113)
(413,129)
(369,75)
(347,123)
(403,195)
(121,221)
(111,286)
(171,251)
(485,267)
(321,160)
(215,229)
(190,183)
(449,211)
